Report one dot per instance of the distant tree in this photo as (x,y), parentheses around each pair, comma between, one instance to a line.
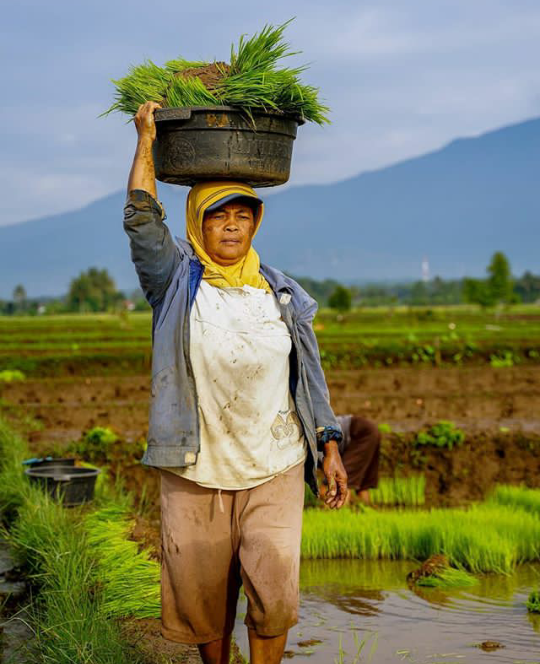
(476,291)
(527,287)
(419,293)
(93,290)
(19,296)
(340,299)
(499,282)
(319,290)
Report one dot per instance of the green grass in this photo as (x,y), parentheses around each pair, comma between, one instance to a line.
(485,538)
(400,491)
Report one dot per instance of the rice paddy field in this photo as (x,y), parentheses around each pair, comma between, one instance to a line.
(456,395)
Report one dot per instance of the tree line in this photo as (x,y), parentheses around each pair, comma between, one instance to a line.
(94,290)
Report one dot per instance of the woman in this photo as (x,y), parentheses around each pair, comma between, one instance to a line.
(239,412)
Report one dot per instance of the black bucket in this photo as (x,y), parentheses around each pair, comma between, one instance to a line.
(47,462)
(69,484)
(223,143)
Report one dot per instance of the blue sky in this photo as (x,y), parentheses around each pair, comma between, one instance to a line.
(402,78)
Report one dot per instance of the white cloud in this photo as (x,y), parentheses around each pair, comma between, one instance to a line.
(401,78)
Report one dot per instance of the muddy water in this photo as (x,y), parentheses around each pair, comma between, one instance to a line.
(347,601)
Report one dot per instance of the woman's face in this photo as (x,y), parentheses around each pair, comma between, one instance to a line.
(227,232)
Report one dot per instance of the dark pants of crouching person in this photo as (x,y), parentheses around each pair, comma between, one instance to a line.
(360,452)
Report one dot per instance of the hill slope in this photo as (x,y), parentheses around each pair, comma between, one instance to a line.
(456,206)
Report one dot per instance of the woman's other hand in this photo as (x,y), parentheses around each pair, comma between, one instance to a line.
(336,476)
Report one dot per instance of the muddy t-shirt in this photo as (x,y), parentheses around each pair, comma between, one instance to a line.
(249,429)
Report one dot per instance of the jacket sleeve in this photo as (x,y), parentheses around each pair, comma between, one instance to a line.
(326,424)
(153,251)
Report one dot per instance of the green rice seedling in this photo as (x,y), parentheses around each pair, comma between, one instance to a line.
(517,496)
(482,539)
(179,64)
(13,483)
(310,499)
(189,91)
(68,615)
(146,82)
(444,434)
(448,578)
(402,491)
(359,644)
(128,578)
(252,81)
(533,603)
(11,375)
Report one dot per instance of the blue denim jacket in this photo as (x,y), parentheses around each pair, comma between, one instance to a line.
(170,273)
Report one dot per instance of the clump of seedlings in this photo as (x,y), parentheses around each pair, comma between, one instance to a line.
(253,80)
(11,375)
(436,572)
(533,603)
(400,491)
(517,496)
(444,435)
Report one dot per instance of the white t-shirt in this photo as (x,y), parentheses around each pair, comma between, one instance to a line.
(249,429)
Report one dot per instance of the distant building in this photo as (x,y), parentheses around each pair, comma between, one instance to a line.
(425,269)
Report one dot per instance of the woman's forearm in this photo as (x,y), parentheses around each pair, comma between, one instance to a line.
(142,174)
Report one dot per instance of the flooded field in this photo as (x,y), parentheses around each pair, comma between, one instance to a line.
(86,373)
(349,601)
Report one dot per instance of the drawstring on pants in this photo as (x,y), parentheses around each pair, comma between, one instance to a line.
(220,500)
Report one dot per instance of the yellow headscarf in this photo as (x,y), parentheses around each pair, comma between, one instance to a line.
(246,271)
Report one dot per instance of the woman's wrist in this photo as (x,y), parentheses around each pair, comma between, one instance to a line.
(331,447)
(327,435)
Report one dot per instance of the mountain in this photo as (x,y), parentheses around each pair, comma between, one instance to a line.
(454,206)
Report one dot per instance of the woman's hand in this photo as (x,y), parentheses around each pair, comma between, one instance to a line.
(145,121)
(336,476)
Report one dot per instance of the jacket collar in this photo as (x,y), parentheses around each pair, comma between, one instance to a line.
(276,279)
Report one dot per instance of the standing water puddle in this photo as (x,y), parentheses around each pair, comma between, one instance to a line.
(346,601)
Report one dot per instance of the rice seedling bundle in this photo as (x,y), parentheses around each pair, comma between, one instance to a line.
(253,80)
(448,578)
(533,603)
(128,578)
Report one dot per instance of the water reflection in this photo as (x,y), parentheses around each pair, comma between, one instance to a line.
(341,599)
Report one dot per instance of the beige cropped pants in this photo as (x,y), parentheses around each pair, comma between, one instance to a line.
(214,542)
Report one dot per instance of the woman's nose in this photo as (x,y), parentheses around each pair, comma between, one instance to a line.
(232,224)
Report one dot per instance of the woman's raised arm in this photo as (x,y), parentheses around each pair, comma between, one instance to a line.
(153,250)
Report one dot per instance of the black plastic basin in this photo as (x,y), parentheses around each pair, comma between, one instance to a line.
(48,462)
(222,143)
(69,484)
